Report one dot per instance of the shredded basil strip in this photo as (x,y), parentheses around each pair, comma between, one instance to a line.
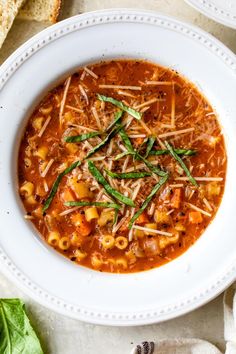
(127,175)
(150,143)
(180,152)
(126,141)
(151,167)
(57,182)
(97,204)
(100,179)
(148,199)
(181,163)
(121,105)
(125,153)
(115,216)
(113,132)
(82,137)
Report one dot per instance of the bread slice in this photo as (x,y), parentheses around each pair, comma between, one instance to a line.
(8,11)
(40,10)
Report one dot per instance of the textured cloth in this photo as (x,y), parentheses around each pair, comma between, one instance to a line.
(198,346)
(230,319)
(176,346)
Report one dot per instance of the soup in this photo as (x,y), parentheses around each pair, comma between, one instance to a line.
(122,166)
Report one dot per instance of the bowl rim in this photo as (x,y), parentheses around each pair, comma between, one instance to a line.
(218,14)
(7,70)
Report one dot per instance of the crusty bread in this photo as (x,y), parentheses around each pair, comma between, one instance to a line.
(40,10)
(8,11)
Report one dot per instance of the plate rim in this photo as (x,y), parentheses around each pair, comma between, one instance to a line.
(213,12)
(8,68)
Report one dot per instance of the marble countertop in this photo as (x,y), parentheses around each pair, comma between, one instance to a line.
(61,335)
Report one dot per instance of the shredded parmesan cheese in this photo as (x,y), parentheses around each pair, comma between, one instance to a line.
(137,136)
(151,209)
(97,158)
(84,94)
(170,211)
(177,132)
(44,127)
(68,211)
(210,114)
(207,179)
(45,186)
(124,93)
(74,109)
(153,100)
(173,106)
(207,204)
(165,83)
(28,217)
(63,101)
(158,232)
(45,171)
(194,207)
(145,126)
(177,185)
(91,73)
(83,75)
(136,191)
(161,144)
(135,88)
(95,114)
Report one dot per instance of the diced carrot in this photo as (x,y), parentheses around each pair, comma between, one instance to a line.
(138,141)
(143,218)
(195,217)
(84,227)
(67,195)
(176,198)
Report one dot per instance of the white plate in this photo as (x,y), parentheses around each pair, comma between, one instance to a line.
(147,297)
(223,11)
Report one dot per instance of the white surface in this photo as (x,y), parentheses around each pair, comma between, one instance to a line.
(61,335)
(127,299)
(178,346)
(223,11)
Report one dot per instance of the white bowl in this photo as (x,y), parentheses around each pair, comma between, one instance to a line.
(223,11)
(205,269)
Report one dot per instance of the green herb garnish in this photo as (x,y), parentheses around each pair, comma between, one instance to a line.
(113,132)
(180,152)
(100,179)
(181,163)
(150,143)
(115,216)
(148,199)
(126,141)
(151,167)
(97,204)
(121,105)
(123,154)
(127,175)
(82,137)
(16,334)
(57,182)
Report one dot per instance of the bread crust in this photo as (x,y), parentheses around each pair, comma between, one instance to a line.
(29,12)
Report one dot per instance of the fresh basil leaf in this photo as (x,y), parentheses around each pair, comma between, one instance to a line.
(121,105)
(16,334)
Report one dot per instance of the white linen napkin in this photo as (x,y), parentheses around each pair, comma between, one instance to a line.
(176,346)
(194,345)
